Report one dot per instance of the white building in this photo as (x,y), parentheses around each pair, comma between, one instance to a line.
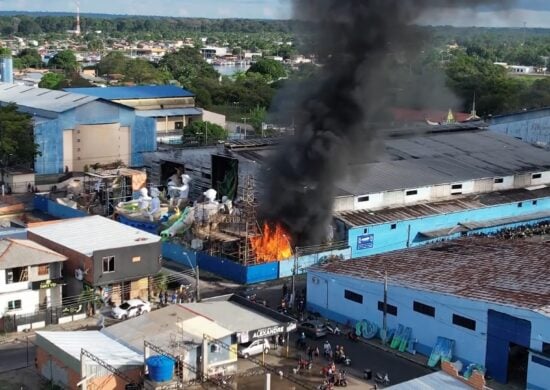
(30,279)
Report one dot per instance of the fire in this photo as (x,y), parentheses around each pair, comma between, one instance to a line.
(273,244)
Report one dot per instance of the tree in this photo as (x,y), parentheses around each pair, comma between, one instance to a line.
(17,146)
(95,45)
(186,65)
(142,71)
(51,81)
(257,118)
(272,69)
(65,60)
(113,63)
(205,131)
(30,58)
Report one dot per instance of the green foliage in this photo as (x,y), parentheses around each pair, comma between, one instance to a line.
(30,58)
(17,146)
(141,71)
(113,63)
(205,132)
(5,52)
(65,60)
(187,65)
(272,69)
(95,45)
(257,117)
(51,81)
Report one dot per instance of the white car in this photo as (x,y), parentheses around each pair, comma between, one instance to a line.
(254,348)
(131,308)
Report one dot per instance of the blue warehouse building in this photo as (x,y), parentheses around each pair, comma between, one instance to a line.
(531,126)
(75,130)
(490,296)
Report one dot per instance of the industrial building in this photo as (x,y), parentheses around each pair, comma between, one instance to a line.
(74,130)
(489,296)
(172,108)
(532,126)
(108,257)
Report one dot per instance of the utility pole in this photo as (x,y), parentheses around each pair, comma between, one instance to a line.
(244,120)
(206,133)
(197,284)
(294,270)
(384,319)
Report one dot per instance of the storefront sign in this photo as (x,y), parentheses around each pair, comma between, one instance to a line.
(365,241)
(267,332)
(291,327)
(45,284)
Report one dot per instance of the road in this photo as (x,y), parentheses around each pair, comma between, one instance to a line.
(14,355)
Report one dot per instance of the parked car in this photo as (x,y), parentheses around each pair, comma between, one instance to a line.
(313,328)
(248,293)
(254,348)
(130,308)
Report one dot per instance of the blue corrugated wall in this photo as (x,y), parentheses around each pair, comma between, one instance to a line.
(286,266)
(382,238)
(49,133)
(531,126)
(48,206)
(179,254)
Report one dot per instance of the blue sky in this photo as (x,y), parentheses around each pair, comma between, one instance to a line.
(536,13)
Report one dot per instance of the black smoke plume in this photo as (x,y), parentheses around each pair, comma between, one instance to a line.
(335,115)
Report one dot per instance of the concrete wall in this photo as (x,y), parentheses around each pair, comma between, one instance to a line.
(403,234)
(531,126)
(213,117)
(325,294)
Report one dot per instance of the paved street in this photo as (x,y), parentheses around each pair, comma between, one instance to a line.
(14,355)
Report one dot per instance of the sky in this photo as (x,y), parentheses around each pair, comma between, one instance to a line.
(535,13)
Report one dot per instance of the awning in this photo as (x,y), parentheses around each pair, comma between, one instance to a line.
(189,111)
(469,226)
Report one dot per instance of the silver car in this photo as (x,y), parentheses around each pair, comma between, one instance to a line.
(313,328)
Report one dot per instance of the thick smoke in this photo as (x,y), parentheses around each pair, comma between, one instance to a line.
(335,115)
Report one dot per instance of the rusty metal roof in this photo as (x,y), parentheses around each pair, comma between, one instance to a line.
(509,272)
(470,202)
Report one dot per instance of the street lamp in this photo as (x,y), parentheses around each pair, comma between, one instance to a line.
(244,119)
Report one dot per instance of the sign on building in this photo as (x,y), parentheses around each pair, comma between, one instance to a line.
(366,241)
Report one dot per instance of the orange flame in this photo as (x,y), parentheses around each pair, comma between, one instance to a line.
(272,245)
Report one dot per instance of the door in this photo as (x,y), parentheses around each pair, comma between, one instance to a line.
(506,336)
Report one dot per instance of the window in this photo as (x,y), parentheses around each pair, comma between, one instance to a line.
(390,309)
(351,296)
(214,348)
(108,264)
(136,259)
(520,204)
(14,305)
(456,187)
(393,226)
(16,275)
(44,269)
(411,192)
(499,180)
(365,231)
(424,309)
(546,348)
(178,125)
(541,361)
(464,322)
(536,175)
(363,198)
(535,202)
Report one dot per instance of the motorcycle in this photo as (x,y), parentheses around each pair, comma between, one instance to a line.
(333,329)
(341,380)
(304,365)
(353,336)
(382,378)
(344,360)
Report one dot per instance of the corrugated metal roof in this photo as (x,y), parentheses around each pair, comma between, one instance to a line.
(509,272)
(89,234)
(137,92)
(424,159)
(370,217)
(41,98)
(98,344)
(434,381)
(18,253)
(162,326)
(189,111)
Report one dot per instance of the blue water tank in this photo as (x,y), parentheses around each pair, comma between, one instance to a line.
(6,69)
(161,368)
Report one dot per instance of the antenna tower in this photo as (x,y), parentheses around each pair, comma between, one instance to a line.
(77,27)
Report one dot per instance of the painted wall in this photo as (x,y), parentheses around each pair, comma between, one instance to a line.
(237,272)
(49,134)
(325,294)
(286,267)
(532,126)
(180,254)
(380,238)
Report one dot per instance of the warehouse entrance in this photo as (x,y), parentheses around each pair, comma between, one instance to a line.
(507,348)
